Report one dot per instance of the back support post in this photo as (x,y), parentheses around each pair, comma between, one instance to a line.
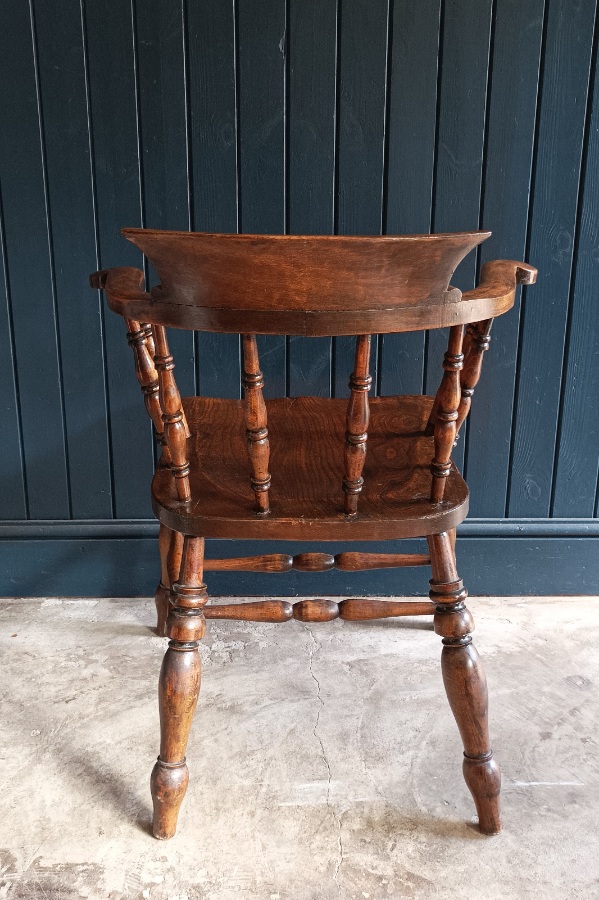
(358,417)
(256,422)
(175,429)
(447,400)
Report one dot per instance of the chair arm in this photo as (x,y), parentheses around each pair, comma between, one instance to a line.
(123,287)
(499,279)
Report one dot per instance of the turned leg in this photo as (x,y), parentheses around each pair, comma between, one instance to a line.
(162,591)
(465,683)
(452,539)
(170,545)
(179,687)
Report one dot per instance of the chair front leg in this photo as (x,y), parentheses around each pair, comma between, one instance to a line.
(465,682)
(179,687)
(170,547)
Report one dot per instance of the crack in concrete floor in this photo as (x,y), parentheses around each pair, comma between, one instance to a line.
(313,648)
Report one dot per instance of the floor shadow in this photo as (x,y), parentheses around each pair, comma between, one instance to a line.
(391,822)
(409,623)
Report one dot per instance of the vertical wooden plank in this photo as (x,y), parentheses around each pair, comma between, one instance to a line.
(363,46)
(13,504)
(261,59)
(578,447)
(551,247)
(412,114)
(61,69)
(210,43)
(506,189)
(114,130)
(460,141)
(312,39)
(30,275)
(161,73)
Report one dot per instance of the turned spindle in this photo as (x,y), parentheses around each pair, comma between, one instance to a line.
(319,610)
(257,611)
(465,682)
(179,687)
(145,372)
(256,422)
(147,329)
(267,562)
(161,597)
(358,416)
(447,402)
(316,562)
(476,343)
(356,562)
(175,429)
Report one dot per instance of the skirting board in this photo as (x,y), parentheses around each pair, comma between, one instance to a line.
(120,559)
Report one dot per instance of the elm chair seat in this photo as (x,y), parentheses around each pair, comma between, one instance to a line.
(307,435)
(309,468)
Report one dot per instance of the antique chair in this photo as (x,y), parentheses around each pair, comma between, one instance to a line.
(342,470)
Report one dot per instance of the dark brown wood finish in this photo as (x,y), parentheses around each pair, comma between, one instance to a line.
(477,341)
(494,296)
(175,426)
(306,498)
(170,546)
(161,597)
(465,683)
(256,422)
(355,562)
(141,341)
(354,610)
(356,432)
(277,272)
(315,562)
(179,687)
(446,413)
(397,457)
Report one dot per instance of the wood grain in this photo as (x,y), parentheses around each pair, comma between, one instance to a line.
(575,487)
(356,425)
(553,227)
(173,417)
(316,562)
(306,500)
(256,423)
(465,683)
(446,413)
(258,611)
(179,685)
(141,340)
(318,610)
(279,272)
(510,121)
(494,296)
(108,44)
(477,341)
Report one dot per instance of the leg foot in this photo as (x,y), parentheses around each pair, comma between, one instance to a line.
(168,784)
(465,683)
(483,778)
(466,688)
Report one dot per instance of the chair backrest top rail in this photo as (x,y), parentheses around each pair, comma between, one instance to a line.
(312,285)
(289,272)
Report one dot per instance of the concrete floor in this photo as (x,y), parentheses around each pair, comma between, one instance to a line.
(324,760)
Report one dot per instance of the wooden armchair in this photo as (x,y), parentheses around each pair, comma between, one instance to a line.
(342,470)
